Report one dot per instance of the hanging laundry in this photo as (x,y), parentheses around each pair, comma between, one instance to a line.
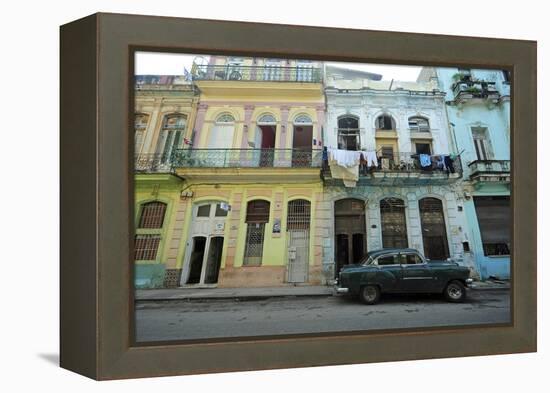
(425,160)
(449,164)
(370,158)
(344,164)
(440,162)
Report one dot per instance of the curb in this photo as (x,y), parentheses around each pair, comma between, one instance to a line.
(234,298)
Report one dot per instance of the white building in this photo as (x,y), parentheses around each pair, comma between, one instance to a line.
(398,203)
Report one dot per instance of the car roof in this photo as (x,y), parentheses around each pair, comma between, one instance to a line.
(376,253)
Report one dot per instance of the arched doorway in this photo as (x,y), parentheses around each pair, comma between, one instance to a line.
(265,139)
(434,231)
(205,246)
(301,141)
(350,231)
(394,223)
(297,228)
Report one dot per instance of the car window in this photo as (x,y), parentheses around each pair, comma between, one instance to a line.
(387,260)
(410,259)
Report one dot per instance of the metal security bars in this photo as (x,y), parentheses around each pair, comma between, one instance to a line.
(231,72)
(152,215)
(146,247)
(394,223)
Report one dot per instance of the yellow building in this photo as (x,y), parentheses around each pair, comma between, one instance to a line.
(240,199)
(165,110)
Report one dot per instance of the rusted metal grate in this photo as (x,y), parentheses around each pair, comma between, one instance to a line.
(152,215)
(146,247)
(254,244)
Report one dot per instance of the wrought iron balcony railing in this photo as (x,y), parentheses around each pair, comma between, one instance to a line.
(246,158)
(157,163)
(257,73)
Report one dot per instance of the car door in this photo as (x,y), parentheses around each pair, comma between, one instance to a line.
(417,274)
(389,276)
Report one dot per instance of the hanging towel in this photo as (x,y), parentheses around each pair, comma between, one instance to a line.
(425,160)
(346,158)
(370,158)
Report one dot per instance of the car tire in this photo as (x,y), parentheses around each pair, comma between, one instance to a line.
(455,292)
(369,294)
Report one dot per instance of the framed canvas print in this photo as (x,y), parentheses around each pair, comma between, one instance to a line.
(242,196)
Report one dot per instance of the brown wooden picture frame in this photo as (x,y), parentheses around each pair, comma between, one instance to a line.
(97,195)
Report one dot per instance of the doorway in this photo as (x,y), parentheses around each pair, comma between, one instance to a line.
(205,248)
(298,223)
(302,138)
(265,142)
(434,233)
(350,231)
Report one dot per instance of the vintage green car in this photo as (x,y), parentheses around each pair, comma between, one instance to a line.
(402,271)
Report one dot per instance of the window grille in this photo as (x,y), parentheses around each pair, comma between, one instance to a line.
(152,215)
(254,244)
(298,215)
(146,247)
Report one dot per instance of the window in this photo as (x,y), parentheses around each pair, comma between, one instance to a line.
(140,127)
(303,119)
(298,215)
(304,71)
(385,123)
(423,148)
(387,260)
(170,136)
(349,136)
(267,119)
(394,223)
(493,216)
(257,215)
(146,247)
(482,143)
(419,124)
(219,211)
(434,232)
(203,211)
(152,215)
(410,259)
(225,118)
(387,152)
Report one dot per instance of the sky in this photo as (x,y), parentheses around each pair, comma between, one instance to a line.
(149,63)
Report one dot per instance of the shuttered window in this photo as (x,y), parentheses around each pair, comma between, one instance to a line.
(494,219)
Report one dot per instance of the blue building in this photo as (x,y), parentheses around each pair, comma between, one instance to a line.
(478,109)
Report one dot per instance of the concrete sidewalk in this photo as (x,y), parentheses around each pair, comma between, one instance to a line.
(491,284)
(231,293)
(195,293)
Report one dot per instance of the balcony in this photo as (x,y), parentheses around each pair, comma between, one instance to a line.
(257,73)
(246,158)
(483,172)
(466,90)
(153,163)
(401,169)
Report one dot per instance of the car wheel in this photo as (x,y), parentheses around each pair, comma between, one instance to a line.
(370,294)
(455,292)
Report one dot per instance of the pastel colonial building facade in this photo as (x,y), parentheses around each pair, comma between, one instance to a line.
(165,108)
(398,202)
(250,176)
(478,106)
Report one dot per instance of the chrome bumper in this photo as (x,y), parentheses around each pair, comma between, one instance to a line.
(341,291)
(469,282)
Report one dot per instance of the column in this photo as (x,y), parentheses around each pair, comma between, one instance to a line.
(199,122)
(317,132)
(248,110)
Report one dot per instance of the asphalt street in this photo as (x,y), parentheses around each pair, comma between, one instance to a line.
(183,320)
